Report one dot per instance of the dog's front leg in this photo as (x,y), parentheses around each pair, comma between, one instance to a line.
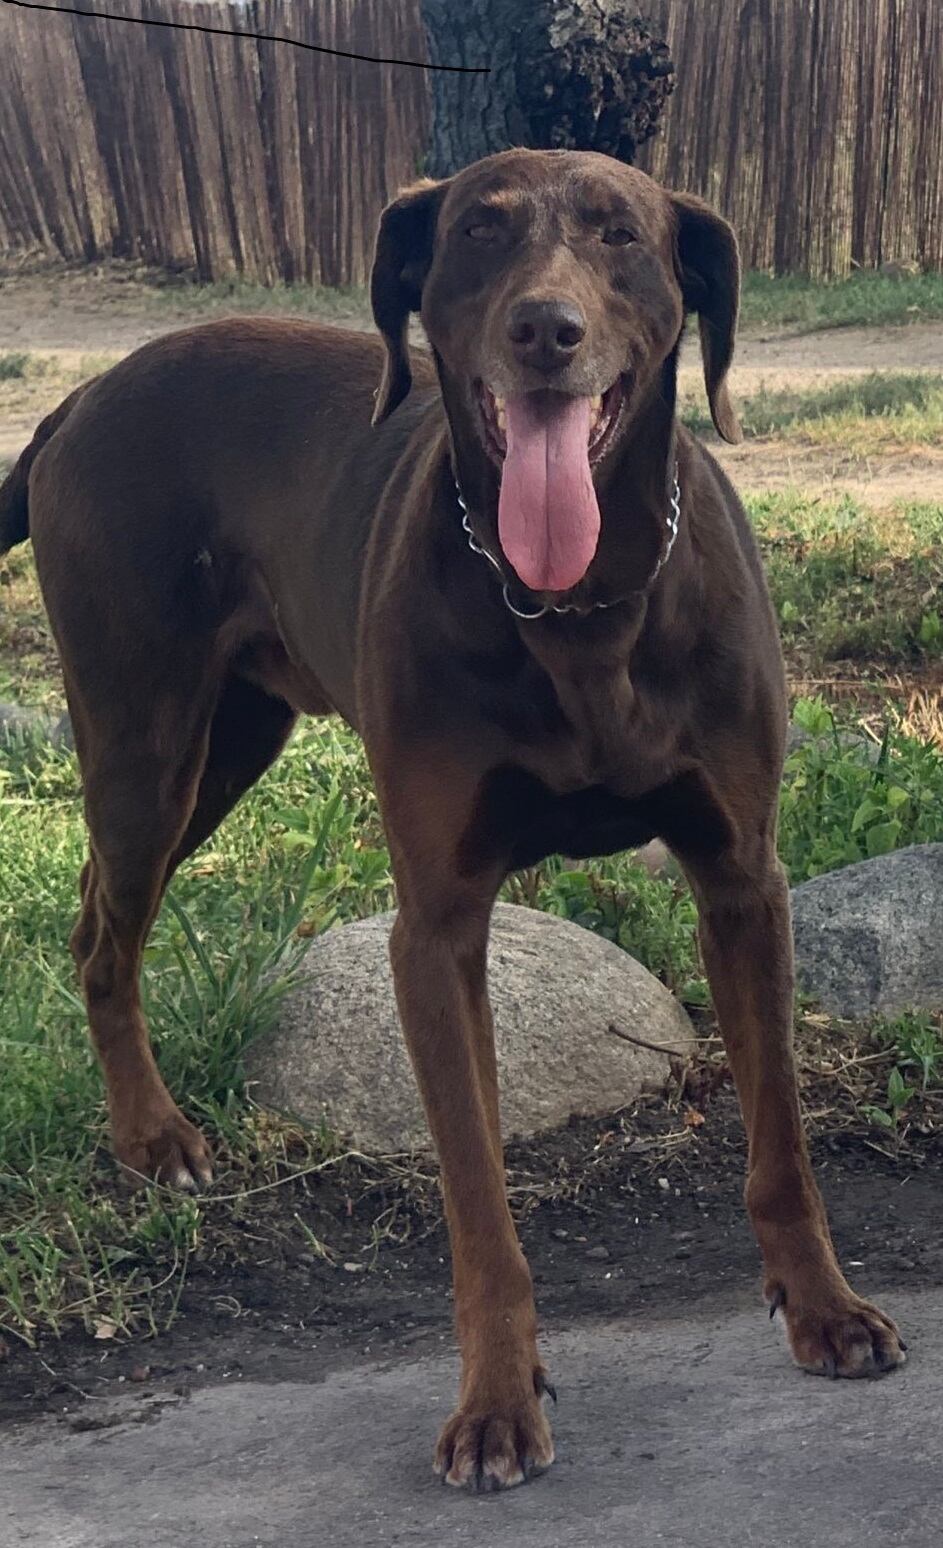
(499,1434)
(746,940)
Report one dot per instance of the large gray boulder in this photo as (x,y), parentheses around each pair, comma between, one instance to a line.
(338,1053)
(869,938)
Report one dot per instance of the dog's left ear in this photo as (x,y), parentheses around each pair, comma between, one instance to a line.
(400,264)
(709,271)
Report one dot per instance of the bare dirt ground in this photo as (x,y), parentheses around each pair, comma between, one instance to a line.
(79,320)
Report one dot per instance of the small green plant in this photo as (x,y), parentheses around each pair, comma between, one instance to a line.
(846,798)
(652,918)
(915,1043)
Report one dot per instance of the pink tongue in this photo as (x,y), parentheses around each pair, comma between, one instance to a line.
(548,516)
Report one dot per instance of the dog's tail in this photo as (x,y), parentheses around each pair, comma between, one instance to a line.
(14,491)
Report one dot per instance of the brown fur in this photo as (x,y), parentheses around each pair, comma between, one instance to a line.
(223,540)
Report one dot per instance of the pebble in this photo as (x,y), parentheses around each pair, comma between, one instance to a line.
(598,1252)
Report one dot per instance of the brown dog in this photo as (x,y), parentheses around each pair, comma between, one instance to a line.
(584,660)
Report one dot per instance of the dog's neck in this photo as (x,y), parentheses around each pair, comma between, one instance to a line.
(635,526)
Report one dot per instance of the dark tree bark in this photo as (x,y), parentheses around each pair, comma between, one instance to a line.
(574,74)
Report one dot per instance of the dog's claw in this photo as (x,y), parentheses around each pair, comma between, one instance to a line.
(543,1386)
(777,1301)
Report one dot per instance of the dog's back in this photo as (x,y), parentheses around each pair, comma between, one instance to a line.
(203,472)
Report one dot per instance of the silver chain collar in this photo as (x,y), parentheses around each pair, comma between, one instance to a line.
(671,522)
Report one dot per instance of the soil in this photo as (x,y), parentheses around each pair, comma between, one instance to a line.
(618,1215)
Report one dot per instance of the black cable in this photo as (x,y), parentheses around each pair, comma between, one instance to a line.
(262,37)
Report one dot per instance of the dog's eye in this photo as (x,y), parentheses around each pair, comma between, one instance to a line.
(619,236)
(482,233)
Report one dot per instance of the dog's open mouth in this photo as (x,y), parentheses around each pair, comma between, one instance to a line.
(546,444)
(605,409)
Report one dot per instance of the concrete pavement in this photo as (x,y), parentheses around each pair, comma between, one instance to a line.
(685,1430)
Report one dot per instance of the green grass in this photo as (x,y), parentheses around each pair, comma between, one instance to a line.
(865,299)
(29,671)
(879,412)
(852,584)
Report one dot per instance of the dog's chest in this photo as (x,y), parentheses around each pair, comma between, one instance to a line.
(597,730)
(576,782)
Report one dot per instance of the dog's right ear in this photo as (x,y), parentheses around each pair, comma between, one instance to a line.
(400,265)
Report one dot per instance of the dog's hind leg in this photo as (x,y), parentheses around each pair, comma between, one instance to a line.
(141,783)
(248,731)
(147,812)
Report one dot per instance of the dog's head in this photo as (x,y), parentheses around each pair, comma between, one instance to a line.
(552,286)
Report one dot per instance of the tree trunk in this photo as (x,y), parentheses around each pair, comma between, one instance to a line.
(579,74)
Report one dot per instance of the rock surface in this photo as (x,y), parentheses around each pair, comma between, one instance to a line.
(338,1052)
(869,938)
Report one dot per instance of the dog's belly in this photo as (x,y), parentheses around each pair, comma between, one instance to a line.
(519,820)
(582,825)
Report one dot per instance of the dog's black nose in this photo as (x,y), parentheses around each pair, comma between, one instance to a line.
(546,334)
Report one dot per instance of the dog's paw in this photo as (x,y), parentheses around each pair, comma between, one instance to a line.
(166,1148)
(847,1337)
(494,1449)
